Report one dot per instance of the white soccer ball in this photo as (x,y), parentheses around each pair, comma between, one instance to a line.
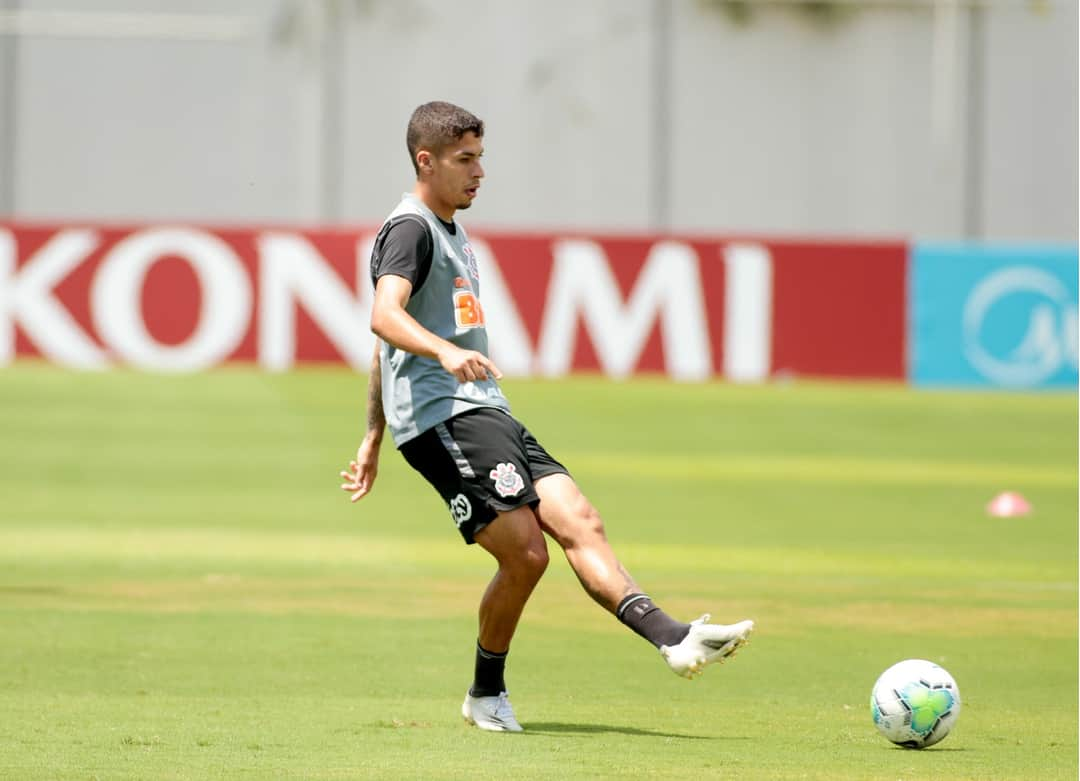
(915,703)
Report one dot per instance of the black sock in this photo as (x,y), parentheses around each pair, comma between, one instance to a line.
(639,613)
(488,678)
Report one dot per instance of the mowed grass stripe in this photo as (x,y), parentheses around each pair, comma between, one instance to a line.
(817,469)
(213,546)
(124,454)
(560,604)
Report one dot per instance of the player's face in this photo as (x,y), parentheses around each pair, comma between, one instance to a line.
(457,172)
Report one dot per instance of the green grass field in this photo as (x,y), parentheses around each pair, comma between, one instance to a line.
(185,593)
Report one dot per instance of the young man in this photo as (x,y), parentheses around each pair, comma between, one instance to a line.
(433,383)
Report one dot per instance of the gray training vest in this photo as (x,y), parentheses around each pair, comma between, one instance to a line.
(418,392)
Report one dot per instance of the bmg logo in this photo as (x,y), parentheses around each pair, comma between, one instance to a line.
(1020,326)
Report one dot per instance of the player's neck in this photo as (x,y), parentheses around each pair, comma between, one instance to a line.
(441,210)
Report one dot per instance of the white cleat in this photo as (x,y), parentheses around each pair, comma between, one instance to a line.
(706,643)
(491,713)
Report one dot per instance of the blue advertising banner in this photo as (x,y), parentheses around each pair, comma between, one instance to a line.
(1000,316)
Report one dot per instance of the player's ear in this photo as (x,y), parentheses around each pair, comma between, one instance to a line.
(424,162)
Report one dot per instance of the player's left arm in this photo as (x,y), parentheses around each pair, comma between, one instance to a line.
(361,474)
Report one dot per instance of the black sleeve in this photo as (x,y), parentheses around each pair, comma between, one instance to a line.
(403,248)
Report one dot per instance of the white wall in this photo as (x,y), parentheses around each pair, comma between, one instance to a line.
(606,114)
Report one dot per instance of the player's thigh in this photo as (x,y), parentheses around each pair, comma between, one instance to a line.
(564,511)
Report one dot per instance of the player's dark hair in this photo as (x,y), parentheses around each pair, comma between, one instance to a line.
(436,125)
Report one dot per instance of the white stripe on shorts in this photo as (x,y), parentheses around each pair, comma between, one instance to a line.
(463,467)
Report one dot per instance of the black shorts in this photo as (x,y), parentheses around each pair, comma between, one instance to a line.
(482,462)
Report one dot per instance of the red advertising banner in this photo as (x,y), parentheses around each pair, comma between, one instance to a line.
(186,298)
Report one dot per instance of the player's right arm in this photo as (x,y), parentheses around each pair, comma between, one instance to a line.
(361,474)
(390,321)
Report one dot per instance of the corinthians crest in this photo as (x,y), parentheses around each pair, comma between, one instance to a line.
(470,261)
(507,480)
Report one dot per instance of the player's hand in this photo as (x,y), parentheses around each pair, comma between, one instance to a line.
(362,472)
(468,365)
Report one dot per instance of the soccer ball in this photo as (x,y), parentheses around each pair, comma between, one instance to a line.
(915,703)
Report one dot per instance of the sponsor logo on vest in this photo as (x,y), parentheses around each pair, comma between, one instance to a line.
(1040,347)
(460,509)
(507,480)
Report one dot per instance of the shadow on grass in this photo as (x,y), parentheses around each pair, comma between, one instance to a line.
(559,728)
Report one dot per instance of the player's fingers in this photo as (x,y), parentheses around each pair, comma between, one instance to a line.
(478,367)
(491,367)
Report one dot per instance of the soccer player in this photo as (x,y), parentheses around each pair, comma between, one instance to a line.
(434,385)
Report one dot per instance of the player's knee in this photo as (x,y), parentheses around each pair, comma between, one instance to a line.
(535,561)
(529,563)
(525,561)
